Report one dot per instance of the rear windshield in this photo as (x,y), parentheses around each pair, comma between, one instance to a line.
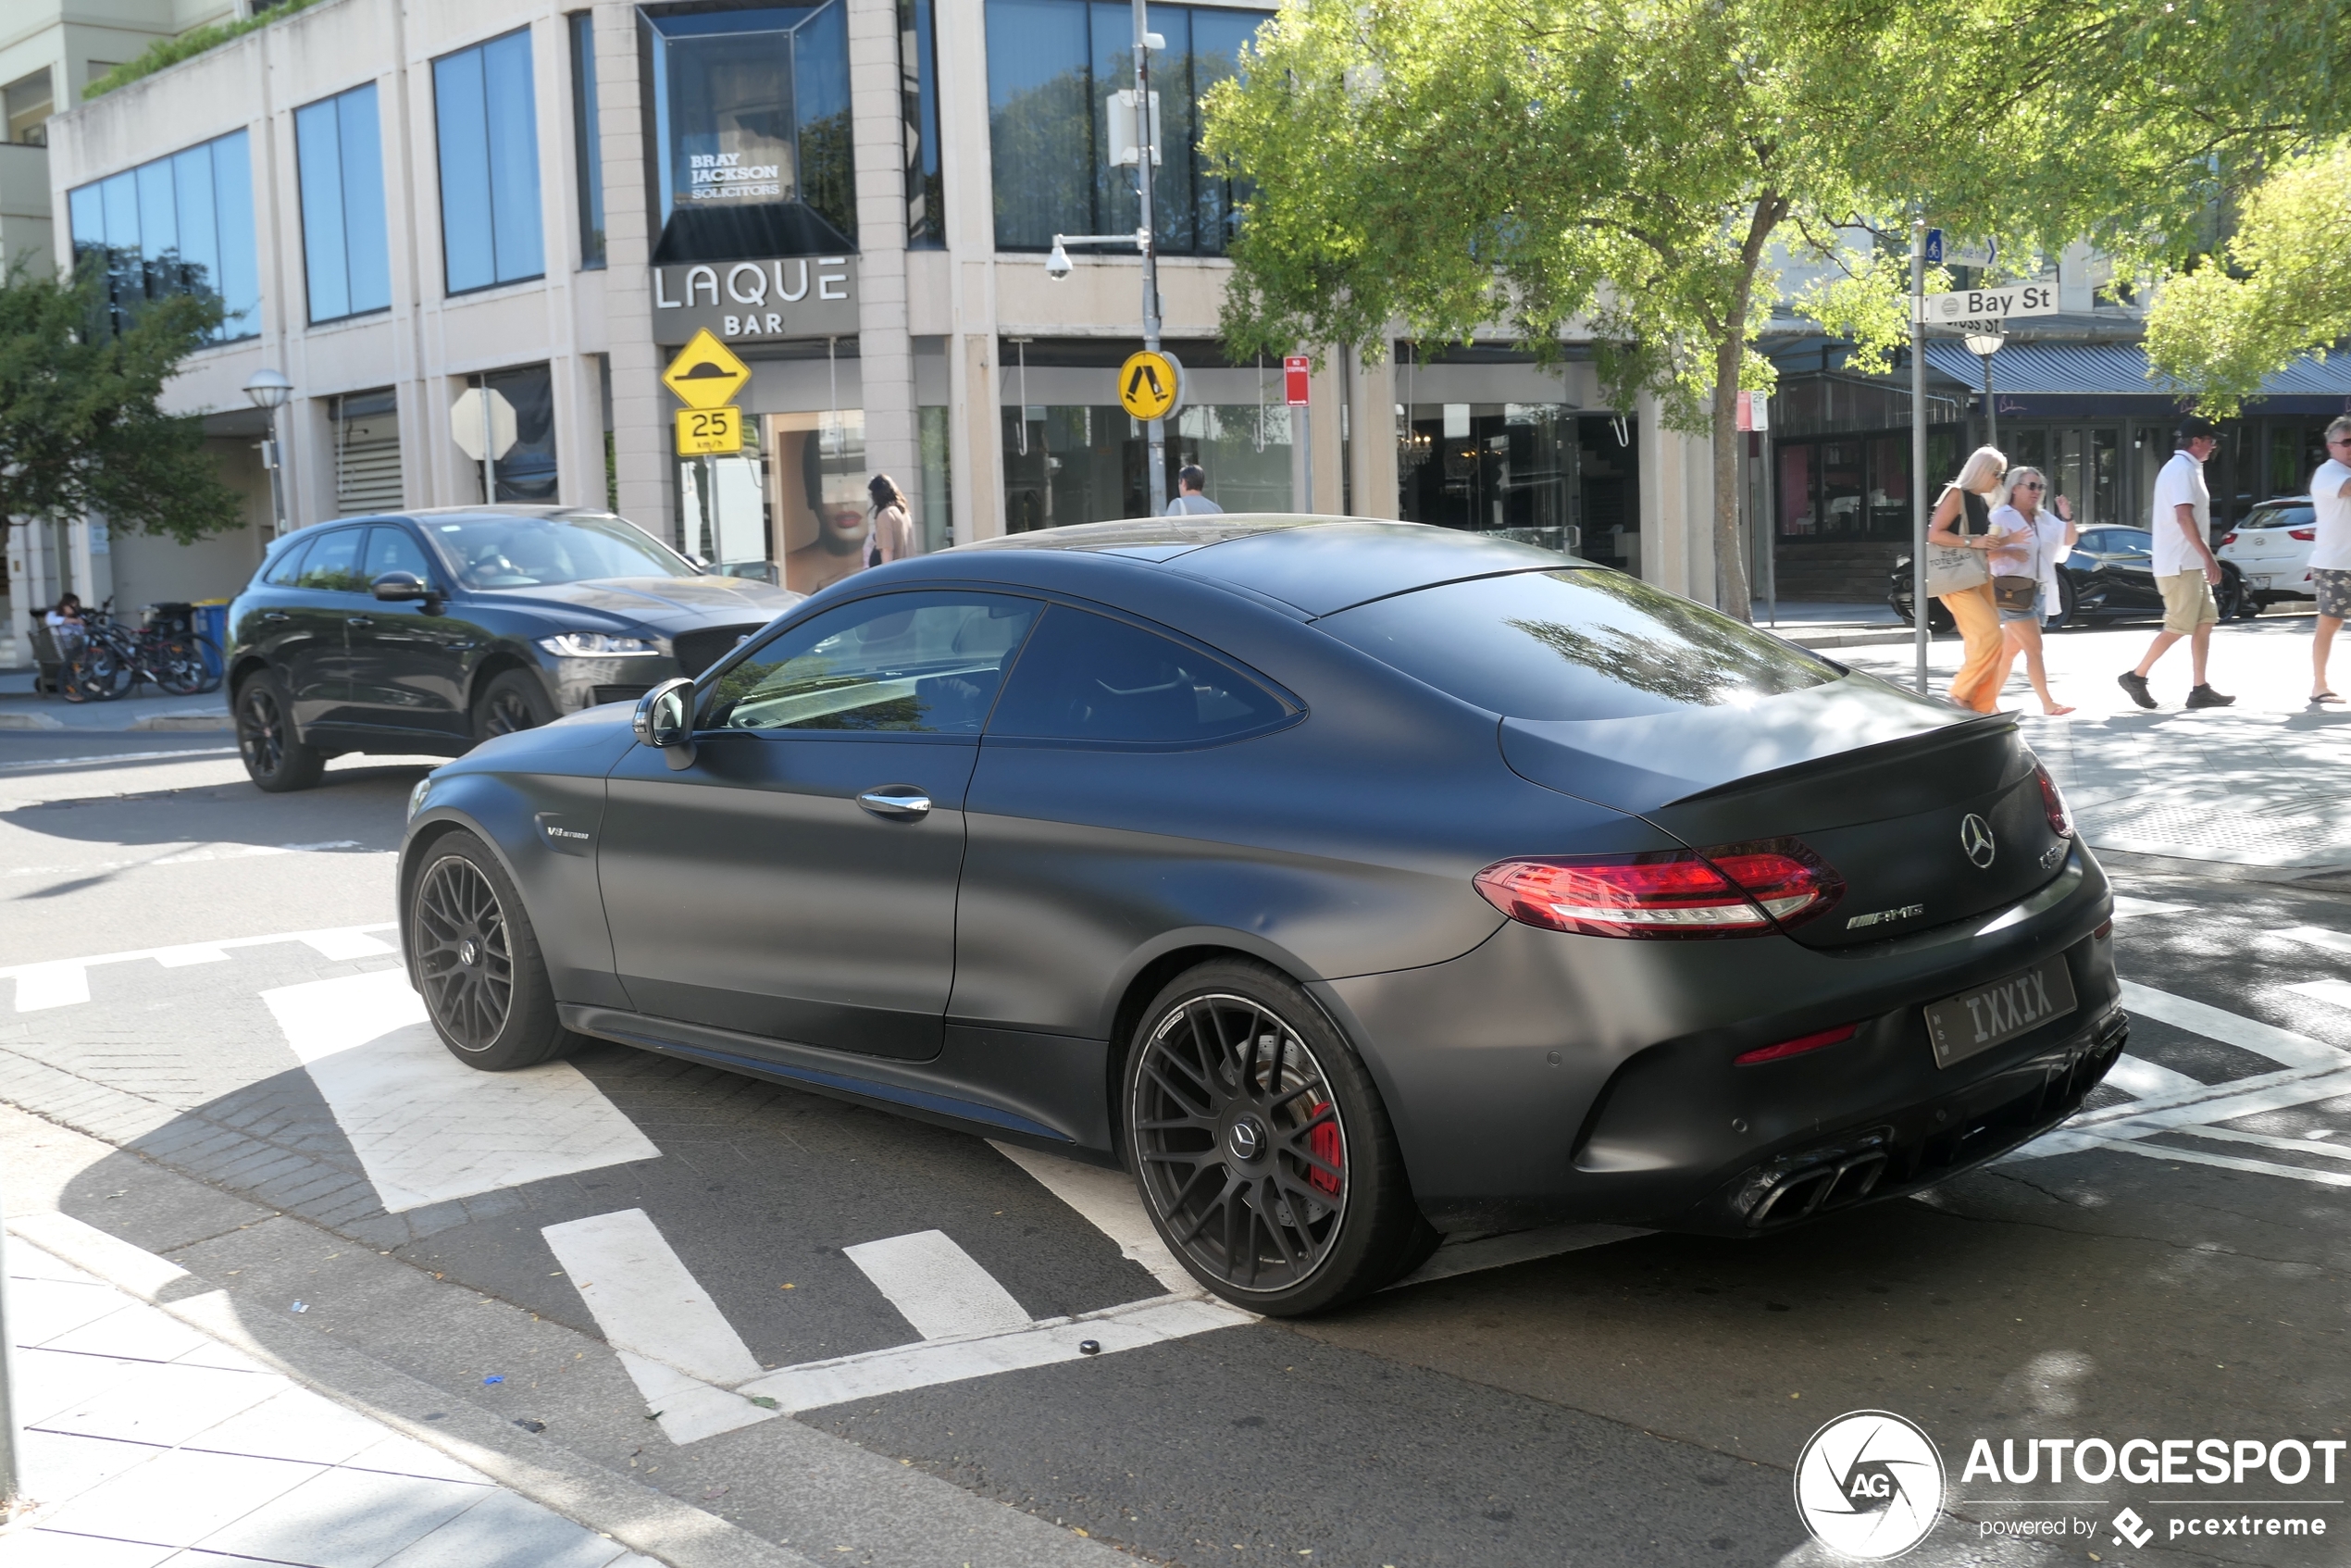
(1574,644)
(2281,517)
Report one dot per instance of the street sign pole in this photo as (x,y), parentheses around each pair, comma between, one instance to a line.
(1297,386)
(488,470)
(11,1472)
(1147,143)
(1917,446)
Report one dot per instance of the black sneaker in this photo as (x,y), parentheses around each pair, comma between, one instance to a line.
(2205,697)
(2136,684)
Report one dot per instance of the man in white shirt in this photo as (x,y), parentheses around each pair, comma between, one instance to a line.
(2331,555)
(1190,480)
(2186,569)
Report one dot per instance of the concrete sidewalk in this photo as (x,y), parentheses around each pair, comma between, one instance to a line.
(148,1443)
(21,709)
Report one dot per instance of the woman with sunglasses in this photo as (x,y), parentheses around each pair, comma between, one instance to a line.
(2037,538)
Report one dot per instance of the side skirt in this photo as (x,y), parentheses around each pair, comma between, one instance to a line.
(1043,1091)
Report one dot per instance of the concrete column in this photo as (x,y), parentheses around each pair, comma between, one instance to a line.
(974,419)
(1677,508)
(22,587)
(979,484)
(1371,412)
(640,403)
(885,352)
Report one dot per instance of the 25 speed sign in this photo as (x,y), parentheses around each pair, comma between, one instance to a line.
(703,432)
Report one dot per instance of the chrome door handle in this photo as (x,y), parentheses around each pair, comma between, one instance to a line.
(275,616)
(357,620)
(902,800)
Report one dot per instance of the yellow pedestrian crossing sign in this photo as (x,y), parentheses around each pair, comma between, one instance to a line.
(705,373)
(1150,384)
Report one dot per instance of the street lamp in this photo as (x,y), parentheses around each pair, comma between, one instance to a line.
(1057,262)
(268,389)
(1984,345)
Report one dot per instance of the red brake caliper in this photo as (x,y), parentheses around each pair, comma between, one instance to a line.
(1323,1141)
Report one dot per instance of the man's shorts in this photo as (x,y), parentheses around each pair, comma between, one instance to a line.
(2187,602)
(2334,592)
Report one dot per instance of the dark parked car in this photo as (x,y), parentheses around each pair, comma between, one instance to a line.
(2106,576)
(1347,882)
(432,632)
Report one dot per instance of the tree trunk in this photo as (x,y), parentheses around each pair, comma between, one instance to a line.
(1730,553)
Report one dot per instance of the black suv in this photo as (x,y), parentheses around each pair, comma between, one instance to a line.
(426,633)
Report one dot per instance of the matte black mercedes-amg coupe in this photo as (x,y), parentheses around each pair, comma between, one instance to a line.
(1347,882)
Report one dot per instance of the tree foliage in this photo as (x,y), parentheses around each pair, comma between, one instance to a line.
(2283,287)
(80,431)
(1637,170)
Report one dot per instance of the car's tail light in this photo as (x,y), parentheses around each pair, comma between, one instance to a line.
(2306,535)
(2053,803)
(1796,1047)
(2229,538)
(1737,890)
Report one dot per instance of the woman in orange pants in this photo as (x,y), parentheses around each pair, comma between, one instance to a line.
(1963,518)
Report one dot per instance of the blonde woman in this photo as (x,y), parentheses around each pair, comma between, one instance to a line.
(2038,537)
(1962,520)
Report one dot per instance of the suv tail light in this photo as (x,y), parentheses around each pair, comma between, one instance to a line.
(1736,890)
(2306,535)
(2053,802)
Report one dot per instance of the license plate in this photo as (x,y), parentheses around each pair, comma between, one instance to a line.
(1979,1019)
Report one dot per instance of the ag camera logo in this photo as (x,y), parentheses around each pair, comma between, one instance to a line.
(1869,1485)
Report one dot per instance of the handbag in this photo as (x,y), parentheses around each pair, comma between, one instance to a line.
(1954,568)
(2016,593)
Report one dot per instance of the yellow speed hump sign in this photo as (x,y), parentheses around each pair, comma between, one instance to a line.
(705,373)
(1150,384)
(703,432)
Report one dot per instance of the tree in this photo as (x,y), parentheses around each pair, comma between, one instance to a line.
(2282,288)
(80,431)
(1640,168)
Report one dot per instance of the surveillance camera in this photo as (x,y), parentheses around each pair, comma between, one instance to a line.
(1057,264)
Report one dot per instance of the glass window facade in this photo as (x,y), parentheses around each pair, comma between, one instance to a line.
(588,153)
(918,72)
(486,113)
(527,471)
(1051,66)
(1515,468)
(178,225)
(1857,487)
(1089,463)
(752,153)
(346,253)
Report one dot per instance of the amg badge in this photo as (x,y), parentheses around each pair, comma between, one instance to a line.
(1883,916)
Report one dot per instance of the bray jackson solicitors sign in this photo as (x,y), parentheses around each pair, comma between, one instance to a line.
(749,302)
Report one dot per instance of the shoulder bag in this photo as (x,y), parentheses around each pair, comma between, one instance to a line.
(1955,568)
(2017,594)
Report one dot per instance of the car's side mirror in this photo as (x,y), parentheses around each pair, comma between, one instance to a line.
(401,588)
(664,719)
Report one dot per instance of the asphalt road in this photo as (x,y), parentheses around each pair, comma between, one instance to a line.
(242,1086)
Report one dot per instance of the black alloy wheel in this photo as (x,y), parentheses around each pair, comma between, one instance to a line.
(1260,1149)
(472,952)
(464,954)
(274,758)
(513,701)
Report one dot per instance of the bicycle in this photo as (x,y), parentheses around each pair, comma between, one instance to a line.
(114,661)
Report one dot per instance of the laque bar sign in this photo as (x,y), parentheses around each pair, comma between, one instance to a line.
(749,302)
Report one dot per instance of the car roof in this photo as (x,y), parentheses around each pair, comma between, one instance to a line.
(1318,565)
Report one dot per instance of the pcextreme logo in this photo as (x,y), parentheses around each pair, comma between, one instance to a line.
(1869,1485)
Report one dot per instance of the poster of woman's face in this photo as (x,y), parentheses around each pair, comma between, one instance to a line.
(817,482)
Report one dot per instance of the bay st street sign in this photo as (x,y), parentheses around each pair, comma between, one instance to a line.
(750,302)
(1988,305)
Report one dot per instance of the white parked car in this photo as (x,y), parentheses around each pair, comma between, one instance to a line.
(2271,547)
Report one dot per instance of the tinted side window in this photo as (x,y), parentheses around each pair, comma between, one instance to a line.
(394,549)
(288,571)
(1575,645)
(2136,542)
(1085,677)
(909,663)
(333,562)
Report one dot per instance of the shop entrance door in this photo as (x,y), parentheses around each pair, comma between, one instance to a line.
(2083,464)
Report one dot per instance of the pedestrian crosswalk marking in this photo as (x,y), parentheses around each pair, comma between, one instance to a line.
(938,1286)
(2228,1162)
(2281,1046)
(427,1128)
(63,982)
